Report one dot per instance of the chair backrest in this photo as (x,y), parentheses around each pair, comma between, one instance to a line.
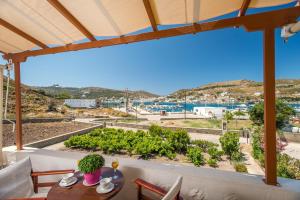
(174,190)
(15,180)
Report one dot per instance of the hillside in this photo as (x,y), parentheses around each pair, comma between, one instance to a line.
(90,92)
(240,90)
(32,101)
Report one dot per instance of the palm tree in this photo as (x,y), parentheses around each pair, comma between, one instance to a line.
(227,117)
(238,113)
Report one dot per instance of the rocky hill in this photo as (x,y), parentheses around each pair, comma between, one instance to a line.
(240,90)
(32,101)
(90,92)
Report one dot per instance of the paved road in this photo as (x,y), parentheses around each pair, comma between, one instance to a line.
(293,150)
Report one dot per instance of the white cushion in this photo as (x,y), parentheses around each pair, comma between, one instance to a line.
(15,180)
(174,190)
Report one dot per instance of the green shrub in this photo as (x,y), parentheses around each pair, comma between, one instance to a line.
(261,159)
(156,130)
(109,140)
(155,142)
(212,162)
(91,163)
(230,143)
(84,141)
(215,153)
(240,167)
(256,142)
(194,154)
(295,167)
(52,107)
(288,167)
(204,144)
(145,148)
(178,139)
(236,156)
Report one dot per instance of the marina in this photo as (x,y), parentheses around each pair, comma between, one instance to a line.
(156,107)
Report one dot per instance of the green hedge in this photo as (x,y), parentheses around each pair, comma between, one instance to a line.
(157,141)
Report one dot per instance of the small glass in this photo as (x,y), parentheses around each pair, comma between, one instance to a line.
(115,165)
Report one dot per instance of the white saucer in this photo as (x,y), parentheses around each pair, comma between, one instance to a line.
(74,180)
(86,184)
(102,190)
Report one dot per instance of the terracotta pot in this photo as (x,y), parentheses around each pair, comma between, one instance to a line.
(92,178)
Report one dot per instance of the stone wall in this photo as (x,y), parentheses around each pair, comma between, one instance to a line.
(193,130)
(40,120)
(292,137)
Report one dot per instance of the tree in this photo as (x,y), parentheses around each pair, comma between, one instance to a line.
(228,116)
(63,95)
(283,113)
(238,113)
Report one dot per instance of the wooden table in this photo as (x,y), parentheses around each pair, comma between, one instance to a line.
(80,192)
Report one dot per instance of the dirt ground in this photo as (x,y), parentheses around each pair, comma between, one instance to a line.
(38,131)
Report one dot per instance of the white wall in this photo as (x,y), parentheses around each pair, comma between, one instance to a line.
(81,103)
(209,112)
(198,183)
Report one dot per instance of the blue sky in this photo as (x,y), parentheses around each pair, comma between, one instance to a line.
(165,65)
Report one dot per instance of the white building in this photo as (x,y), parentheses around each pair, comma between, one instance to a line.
(209,112)
(81,103)
(258,94)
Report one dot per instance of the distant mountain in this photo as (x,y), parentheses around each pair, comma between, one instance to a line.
(240,90)
(90,92)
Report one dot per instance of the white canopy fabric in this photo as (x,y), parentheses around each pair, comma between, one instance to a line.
(39,19)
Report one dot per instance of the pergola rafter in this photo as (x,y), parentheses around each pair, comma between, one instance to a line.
(244,8)
(254,22)
(22,34)
(62,10)
(150,14)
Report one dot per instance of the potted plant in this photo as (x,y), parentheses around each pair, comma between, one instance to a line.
(91,165)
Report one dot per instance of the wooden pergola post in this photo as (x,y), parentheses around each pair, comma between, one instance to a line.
(19,142)
(269,107)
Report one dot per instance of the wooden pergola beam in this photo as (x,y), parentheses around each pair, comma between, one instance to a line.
(22,34)
(244,8)
(62,10)
(253,22)
(150,14)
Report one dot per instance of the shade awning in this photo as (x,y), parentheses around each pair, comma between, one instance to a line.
(34,24)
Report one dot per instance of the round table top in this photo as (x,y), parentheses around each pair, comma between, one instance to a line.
(79,192)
